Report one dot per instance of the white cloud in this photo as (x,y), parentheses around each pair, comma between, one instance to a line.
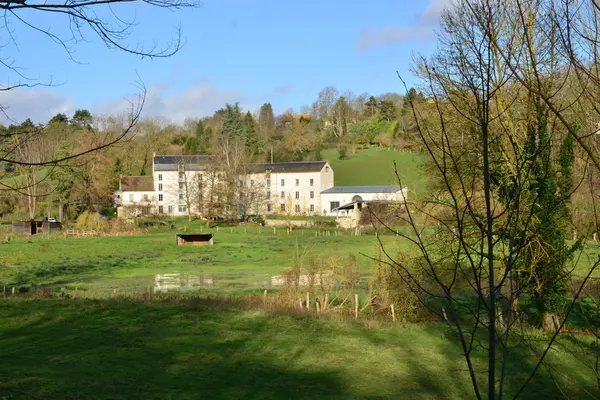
(421,28)
(431,15)
(197,101)
(38,104)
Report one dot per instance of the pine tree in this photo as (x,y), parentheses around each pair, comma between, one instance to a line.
(387,110)
(252,141)
(233,122)
(266,121)
(371,107)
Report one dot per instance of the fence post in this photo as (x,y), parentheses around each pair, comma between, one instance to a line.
(274,231)
(355,305)
(308,301)
(75,293)
(393,313)
(62,292)
(114,293)
(265,298)
(13,292)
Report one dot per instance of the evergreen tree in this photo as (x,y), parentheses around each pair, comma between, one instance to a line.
(266,121)
(371,107)
(233,122)
(200,129)
(59,118)
(251,140)
(82,119)
(387,110)
(410,97)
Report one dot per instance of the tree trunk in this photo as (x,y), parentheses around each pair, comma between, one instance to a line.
(550,322)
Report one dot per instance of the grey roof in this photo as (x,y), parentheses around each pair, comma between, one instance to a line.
(137,184)
(362,189)
(287,167)
(171,163)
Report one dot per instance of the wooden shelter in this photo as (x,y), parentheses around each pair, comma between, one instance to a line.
(195,239)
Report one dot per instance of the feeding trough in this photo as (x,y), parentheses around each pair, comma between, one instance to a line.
(195,239)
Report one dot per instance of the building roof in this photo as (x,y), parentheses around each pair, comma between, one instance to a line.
(137,184)
(362,189)
(287,167)
(171,163)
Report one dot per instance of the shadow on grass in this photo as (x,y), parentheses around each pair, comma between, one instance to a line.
(117,349)
(126,350)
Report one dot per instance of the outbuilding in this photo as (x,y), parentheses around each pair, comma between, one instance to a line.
(341,200)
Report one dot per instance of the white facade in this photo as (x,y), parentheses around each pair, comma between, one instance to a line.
(135,196)
(179,182)
(338,196)
(288,191)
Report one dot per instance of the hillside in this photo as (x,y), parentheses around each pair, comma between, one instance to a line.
(375,166)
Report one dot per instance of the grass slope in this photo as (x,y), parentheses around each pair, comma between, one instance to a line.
(375,166)
(197,350)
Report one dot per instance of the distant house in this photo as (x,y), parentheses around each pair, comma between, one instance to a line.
(136,196)
(340,200)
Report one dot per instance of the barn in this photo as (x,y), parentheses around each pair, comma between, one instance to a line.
(341,200)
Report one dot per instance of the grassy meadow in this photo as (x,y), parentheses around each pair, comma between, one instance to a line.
(113,349)
(211,342)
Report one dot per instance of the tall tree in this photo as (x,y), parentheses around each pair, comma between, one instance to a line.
(387,110)
(340,117)
(82,119)
(266,121)
(233,122)
(371,107)
(252,140)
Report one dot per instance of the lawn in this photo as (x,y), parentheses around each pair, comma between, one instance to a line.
(240,256)
(375,166)
(115,349)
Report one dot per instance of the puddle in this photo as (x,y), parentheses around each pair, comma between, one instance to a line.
(185,282)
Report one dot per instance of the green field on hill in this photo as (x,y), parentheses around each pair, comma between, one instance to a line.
(375,166)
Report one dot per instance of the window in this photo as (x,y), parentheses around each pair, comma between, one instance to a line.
(131,197)
(181,176)
(160,177)
(297,208)
(160,209)
(180,196)
(180,185)
(312,182)
(282,182)
(160,197)
(268,194)
(333,205)
(160,187)
(326,169)
(312,194)
(182,209)
(269,208)
(282,207)
(297,195)
(170,209)
(251,182)
(283,195)
(297,182)
(268,181)
(312,208)
(145,197)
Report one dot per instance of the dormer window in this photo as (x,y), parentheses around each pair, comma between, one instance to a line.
(326,169)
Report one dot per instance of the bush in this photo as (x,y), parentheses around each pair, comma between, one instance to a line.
(343,153)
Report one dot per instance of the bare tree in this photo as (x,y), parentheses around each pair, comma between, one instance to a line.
(498,143)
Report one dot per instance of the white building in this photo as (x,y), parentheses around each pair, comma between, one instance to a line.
(136,196)
(338,197)
(179,182)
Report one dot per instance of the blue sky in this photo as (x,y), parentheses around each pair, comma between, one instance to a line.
(251,51)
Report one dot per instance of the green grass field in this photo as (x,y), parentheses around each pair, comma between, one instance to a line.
(376,167)
(113,349)
(240,256)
